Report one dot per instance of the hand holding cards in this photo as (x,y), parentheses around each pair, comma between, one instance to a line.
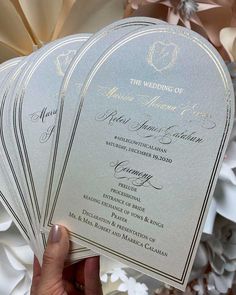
(146,126)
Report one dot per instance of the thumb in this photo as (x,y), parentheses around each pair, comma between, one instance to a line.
(54,258)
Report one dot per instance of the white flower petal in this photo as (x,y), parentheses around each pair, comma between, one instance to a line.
(230,266)
(230,251)
(10,277)
(123,287)
(24,254)
(230,159)
(15,263)
(226,201)
(23,287)
(117,274)
(141,289)
(209,223)
(107,264)
(227,174)
(5,220)
(218,264)
(223,283)
(5,225)
(104,278)
(216,246)
(201,259)
(12,237)
(199,287)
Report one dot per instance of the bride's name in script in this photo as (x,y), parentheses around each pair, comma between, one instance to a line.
(123,170)
(42,115)
(114,92)
(191,112)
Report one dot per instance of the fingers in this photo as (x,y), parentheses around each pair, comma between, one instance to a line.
(50,276)
(53,260)
(36,276)
(91,276)
(80,272)
(36,268)
(88,274)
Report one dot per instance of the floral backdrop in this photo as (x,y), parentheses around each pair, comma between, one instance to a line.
(34,23)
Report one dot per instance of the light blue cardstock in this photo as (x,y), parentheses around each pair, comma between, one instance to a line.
(155,115)
(7,196)
(69,97)
(10,164)
(35,110)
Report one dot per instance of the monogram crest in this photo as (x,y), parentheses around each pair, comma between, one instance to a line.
(63,60)
(162,56)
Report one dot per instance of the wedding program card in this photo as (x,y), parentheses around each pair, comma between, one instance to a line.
(68,99)
(150,132)
(7,195)
(35,110)
(17,200)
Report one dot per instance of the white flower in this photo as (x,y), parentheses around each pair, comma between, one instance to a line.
(116,274)
(225,193)
(199,287)
(219,284)
(200,263)
(133,288)
(222,255)
(227,172)
(15,258)
(104,278)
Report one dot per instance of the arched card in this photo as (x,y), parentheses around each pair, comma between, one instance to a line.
(150,134)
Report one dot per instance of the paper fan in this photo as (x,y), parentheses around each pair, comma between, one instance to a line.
(27,24)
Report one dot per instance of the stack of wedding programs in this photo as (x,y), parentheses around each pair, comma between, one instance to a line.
(119,136)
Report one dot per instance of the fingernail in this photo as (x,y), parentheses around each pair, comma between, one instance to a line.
(55,234)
